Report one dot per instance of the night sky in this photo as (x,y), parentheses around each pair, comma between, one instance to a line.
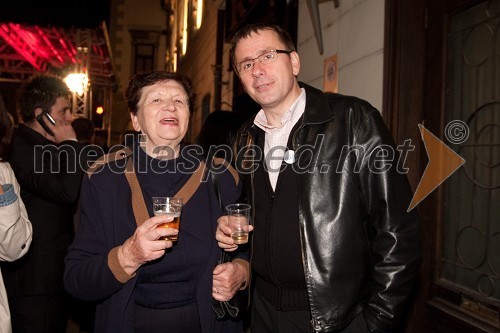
(57,13)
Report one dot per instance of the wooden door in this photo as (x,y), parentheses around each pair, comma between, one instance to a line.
(443,66)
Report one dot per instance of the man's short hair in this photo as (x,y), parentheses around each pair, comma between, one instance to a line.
(41,91)
(247,30)
(84,129)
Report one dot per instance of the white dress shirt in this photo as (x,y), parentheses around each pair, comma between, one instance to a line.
(277,137)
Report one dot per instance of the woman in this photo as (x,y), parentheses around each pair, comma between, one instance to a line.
(145,283)
(15,228)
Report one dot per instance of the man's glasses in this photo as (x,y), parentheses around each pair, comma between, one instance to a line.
(265,58)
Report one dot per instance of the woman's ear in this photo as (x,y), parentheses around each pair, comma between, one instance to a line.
(135,122)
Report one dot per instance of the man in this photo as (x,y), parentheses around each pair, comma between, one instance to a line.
(44,157)
(333,247)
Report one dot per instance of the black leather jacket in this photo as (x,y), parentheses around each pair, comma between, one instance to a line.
(360,247)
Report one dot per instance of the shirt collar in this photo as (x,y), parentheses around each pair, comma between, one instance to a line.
(261,119)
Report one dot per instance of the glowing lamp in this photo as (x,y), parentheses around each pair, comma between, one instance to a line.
(77,82)
(99,110)
(199,14)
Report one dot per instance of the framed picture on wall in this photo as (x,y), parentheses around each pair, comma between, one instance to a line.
(330,78)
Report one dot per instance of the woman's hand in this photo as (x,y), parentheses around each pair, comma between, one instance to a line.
(144,245)
(223,234)
(228,278)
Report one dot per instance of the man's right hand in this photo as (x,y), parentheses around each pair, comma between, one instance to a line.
(62,130)
(223,234)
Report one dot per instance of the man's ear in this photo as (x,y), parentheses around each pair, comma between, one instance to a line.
(135,122)
(38,111)
(295,59)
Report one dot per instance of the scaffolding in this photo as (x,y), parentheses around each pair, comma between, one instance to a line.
(27,50)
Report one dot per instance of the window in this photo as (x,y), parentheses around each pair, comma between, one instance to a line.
(144,49)
(144,59)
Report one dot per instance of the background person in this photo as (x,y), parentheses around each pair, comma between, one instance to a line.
(84,130)
(44,158)
(146,284)
(85,134)
(101,139)
(15,227)
(333,249)
(219,129)
(129,137)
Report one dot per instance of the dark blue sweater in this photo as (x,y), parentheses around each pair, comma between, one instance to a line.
(183,275)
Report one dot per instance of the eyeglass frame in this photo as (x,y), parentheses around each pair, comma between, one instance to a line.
(258,57)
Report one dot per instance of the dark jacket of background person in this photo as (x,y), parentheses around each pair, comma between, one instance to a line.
(360,249)
(108,220)
(85,134)
(49,197)
(219,128)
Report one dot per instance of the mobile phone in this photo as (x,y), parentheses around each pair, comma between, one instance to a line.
(46,128)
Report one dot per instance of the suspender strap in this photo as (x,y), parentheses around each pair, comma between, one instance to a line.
(187,191)
(111,157)
(138,204)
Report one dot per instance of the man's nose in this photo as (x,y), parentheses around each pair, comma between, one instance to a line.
(258,68)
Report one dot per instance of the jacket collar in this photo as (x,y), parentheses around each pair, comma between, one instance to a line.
(32,136)
(317,109)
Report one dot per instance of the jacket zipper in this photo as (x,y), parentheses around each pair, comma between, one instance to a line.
(253,222)
(314,321)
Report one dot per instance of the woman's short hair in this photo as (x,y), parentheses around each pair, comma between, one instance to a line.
(146,79)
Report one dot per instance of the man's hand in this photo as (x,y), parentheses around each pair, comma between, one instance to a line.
(223,234)
(62,130)
(144,245)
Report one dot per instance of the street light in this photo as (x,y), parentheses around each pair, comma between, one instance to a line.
(77,82)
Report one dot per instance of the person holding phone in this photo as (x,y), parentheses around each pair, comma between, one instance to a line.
(44,156)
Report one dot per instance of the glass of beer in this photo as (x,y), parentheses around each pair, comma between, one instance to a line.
(239,219)
(169,206)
